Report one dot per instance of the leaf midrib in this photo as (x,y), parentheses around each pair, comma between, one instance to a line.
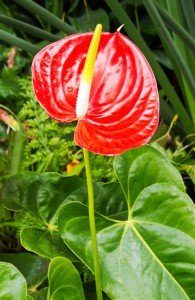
(127,224)
(130,224)
(156,258)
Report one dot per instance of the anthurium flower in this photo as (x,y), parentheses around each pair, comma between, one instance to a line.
(113,96)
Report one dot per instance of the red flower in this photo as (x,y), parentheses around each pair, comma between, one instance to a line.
(123,108)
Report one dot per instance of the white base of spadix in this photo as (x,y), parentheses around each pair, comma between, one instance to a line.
(83,97)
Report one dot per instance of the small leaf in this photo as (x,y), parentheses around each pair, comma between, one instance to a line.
(12,283)
(32,267)
(64,280)
(44,243)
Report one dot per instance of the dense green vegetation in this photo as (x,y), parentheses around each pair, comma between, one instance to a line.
(42,181)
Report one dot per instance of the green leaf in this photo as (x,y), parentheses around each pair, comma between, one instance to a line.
(12,283)
(64,280)
(173,49)
(40,195)
(32,267)
(163,58)
(18,42)
(152,251)
(32,30)
(46,15)
(45,243)
(109,199)
(4,10)
(188,9)
(139,168)
(8,83)
(175,26)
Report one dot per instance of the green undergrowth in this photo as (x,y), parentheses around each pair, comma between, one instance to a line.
(49,146)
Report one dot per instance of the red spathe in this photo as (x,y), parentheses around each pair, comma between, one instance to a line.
(123,111)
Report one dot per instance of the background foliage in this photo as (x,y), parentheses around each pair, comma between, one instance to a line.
(32,144)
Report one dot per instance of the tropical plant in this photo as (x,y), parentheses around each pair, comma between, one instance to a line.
(178,42)
(64,236)
(145,226)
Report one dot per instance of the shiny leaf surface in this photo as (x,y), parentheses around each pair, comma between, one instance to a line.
(142,167)
(152,251)
(40,195)
(64,280)
(12,283)
(32,267)
(45,243)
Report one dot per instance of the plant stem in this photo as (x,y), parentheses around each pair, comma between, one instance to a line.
(92,225)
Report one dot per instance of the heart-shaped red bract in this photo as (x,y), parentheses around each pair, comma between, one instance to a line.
(123,110)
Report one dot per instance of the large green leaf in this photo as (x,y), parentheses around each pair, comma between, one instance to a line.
(64,281)
(32,267)
(40,195)
(109,199)
(12,283)
(142,167)
(151,253)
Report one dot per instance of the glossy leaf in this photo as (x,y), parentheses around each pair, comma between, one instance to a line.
(40,195)
(32,267)
(142,167)
(152,251)
(64,281)
(109,199)
(12,283)
(45,243)
(123,108)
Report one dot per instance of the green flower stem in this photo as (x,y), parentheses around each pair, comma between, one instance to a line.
(92,225)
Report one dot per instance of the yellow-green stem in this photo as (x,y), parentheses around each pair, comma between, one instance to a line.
(92,225)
